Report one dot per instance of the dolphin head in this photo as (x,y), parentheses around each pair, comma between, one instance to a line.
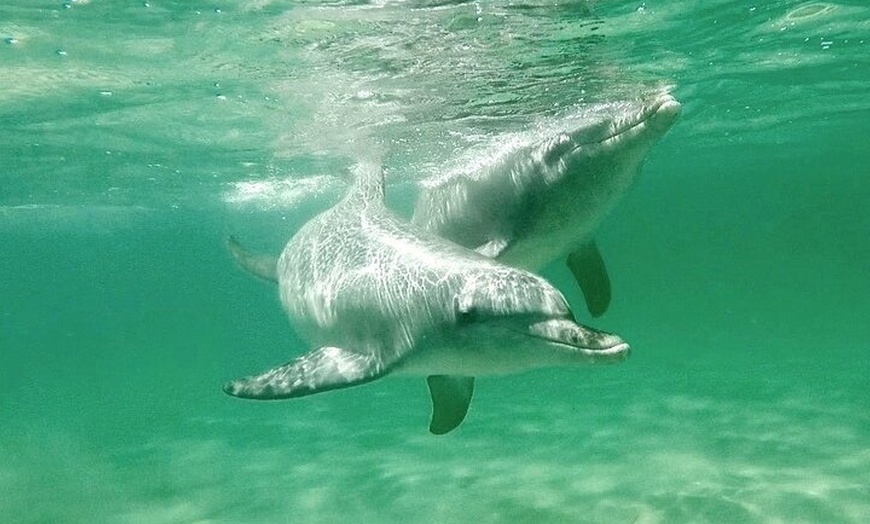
(613,138)
(512,321)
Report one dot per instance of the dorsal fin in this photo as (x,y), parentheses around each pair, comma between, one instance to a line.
(368,182)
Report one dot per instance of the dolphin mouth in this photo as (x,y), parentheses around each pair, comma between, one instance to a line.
(581,341)
(616,353)
(656,115)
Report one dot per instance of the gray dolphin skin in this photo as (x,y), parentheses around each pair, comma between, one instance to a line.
(542,201)
(375,295)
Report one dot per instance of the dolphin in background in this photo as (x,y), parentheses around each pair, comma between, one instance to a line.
(541,199)
(375,295)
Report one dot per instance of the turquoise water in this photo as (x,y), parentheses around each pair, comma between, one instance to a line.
(135,136)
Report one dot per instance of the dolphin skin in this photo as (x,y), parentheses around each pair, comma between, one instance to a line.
(541,200)
(375,295)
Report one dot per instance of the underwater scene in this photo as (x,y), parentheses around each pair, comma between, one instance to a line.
(515,191)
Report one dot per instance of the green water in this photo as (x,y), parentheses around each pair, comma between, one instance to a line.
(135,136)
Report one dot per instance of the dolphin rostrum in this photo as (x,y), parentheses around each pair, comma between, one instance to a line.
(540,200)
(375,295)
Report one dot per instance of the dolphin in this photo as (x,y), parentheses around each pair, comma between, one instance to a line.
(375,295)
(540,200)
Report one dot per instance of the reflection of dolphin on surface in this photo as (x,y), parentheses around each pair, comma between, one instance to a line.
(541,201)
(375,295)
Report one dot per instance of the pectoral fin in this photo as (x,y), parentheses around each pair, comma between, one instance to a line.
(493,248)
(587,266)
(320,370)
(451,396)
(263,266)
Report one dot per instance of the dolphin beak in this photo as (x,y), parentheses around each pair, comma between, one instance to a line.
(592,344)
(664,112)
(653,118)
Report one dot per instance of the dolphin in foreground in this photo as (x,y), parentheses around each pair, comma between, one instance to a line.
(375,295)
(539,201)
